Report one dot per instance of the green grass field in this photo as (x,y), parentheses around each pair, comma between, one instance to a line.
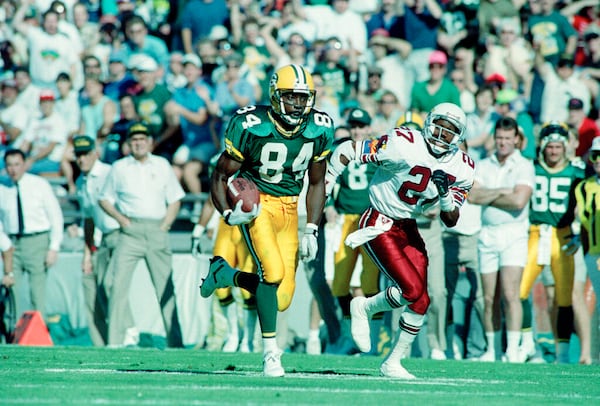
(88,376)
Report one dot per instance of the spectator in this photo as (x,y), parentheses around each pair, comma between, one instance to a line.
(481,123)
(336,69)
(291,21)
(29,94)
(198,17)
(421,22)
(561,84)
(387,17)
(116,147)
(142,193)
(232,92)
(89,31)
(191,108)
(119,80)
(490,12)
(14,118)
(438,89)
(585,128)
(67,103)
(97,275)
(590,72)
(209,55)
(45,139)
(138,41)
(467,97)
(294,50)
(503,186)
(174,78)
(150,103)
(32,217)
(387,114)
(7,249)
(389,54)
(43,42)
(98,116)
(551,33)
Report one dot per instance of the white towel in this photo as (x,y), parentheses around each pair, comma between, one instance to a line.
(544,245)
(363,235)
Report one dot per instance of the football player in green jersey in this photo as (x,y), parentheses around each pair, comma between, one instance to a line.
(274,146)
(350,201)
(552,213)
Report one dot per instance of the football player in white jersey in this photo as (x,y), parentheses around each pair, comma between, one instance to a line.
(416,170)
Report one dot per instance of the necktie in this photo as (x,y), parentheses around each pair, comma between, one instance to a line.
(20,212)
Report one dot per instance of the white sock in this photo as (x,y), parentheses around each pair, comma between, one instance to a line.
(513,338)
(527,341)
(410,324)
(270,344)
(386,300)
(491,339)
(313,334)
(230,312)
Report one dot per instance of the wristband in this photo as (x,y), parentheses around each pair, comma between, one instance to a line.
(447,202)
(10,274)
(198,231)
(226,214)
(312,228)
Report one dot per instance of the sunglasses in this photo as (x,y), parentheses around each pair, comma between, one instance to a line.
(595,157)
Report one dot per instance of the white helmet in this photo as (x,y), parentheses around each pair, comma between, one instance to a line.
(433,132)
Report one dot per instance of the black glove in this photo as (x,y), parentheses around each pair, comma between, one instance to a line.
(440,180)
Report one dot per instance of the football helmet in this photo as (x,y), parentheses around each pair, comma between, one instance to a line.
(432,131)
(554,131)
(292,94)
(411,119)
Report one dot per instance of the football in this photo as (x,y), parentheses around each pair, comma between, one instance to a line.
(244,190)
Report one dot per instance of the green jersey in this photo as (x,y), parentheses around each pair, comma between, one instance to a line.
(275,162)
(353,195)
(553,200)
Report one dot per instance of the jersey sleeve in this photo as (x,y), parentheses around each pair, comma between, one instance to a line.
(236,137)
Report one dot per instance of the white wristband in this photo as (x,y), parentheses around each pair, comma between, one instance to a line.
(198,231)
(311,228)
(447,202)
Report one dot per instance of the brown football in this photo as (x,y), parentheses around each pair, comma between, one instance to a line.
(244,190)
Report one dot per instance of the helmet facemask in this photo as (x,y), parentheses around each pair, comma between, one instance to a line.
(292,105)
(444,128)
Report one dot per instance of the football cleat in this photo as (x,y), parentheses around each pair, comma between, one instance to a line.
(272,364)
(438,355)
(313,346)
(214,278)
(395,371)
(231,343)
(488,356)
(360,329)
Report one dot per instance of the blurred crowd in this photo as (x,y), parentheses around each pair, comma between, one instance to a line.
(96,68)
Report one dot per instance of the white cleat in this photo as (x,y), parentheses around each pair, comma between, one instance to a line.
(395,371)
(231,343)
(359,327)
(438,355)
(244,347)
(515,356)
(313,346)
(488,356)
(211,282)
(272,364)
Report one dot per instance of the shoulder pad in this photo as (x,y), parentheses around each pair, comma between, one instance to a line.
(578,163)
(253,119)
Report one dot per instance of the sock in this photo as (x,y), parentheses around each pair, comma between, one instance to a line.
(513,338)
(527,341)
(375,327)
(389,299)
(490,337)
(270,344)
(266,307)
(526,324)
(410,325)
(564,323)
(230,312)
(313,334)
(563,352)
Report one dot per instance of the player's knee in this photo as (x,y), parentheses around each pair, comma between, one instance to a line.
(421,305)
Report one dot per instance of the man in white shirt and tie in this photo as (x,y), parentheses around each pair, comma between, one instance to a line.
(142,193)
(97,274)
(32,217)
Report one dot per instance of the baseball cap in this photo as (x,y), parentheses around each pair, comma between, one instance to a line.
(83,144)
(138,128)
(506,96)
(595,144)
(218,32)
(438,57)
(144,63)
(575,104)
(193,59)
(495,78)
(47,95)
(9,83)
(359,116)
(117,56)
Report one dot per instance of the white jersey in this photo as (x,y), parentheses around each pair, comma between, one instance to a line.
(401,187)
